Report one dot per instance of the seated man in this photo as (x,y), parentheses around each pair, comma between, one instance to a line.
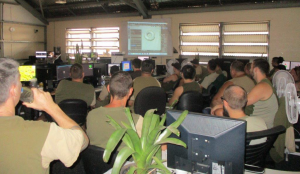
(145,80)
(30,146)
(238,78)
(104,97)
(98,130)
(262,96)
(75,89)
(136,66)
(188,75)
(211,67)
(171,80)
(201,71)
(234,103)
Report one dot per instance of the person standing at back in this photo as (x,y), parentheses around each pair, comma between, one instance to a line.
(136,66)
(75,89)
(145,80)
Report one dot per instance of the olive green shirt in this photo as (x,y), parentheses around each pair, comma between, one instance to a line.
(193,86)
(141,82)
(21,144)
(75,90)
(99,131)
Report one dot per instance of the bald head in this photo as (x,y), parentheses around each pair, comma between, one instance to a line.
(236,97)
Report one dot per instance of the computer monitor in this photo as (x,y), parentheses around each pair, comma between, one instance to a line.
(106,60)
(142,58)
(63,72)
(103,67)
(88,69)
(213,143)
(41,54)
(126,66)
(27,72)
(50,54)
(110,65)
(287,64)
(294,64)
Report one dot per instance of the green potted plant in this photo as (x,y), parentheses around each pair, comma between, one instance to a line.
(145,150)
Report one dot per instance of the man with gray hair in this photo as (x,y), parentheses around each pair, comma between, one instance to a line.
(234,103)
(30,146)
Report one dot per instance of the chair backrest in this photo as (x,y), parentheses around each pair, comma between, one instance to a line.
(191,101)
(75,109)
(256,154)
(220,80)
(152,97)
(92,158)
(24,112)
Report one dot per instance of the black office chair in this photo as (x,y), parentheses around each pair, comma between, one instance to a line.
(24,112)
(152,97)
(92,158)
(76,109)
(255,155)
(191,101)
(208,94)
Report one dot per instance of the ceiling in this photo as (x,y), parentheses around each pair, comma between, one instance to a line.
(75,9)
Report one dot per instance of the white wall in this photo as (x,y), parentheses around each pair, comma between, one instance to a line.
(284,28)
(23,41)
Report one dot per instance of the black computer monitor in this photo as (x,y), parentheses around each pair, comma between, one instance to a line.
(110,65)
(63,72)
(41,54)
(103,67)
(211,141)
(294,64)
(126,66)
(88,69)
(45,72)
(27,72)
(106,60)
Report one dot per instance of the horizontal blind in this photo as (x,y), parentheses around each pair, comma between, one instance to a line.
(245,39)
(202,39)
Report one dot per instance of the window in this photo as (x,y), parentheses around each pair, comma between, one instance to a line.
(225,39)
(90,40)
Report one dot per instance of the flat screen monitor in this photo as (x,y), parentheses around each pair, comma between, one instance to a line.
(50,54)
(142,58)
(88,69)
(213,143)
(126,66)
(287,64)
(148,37)
(63,72)
(294,64)
(104,60)
(41,54)
(103,67)
(111,65)
(27,72)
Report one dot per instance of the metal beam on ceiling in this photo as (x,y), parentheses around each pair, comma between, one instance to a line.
(74,5)
(71,12)
(127,2)
(187,10)
(31,10)
(142,9)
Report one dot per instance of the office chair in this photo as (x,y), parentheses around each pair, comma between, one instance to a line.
(24,112)
(255,155)
(76,109)
(191,101)
(152,97)
(208,95)
(93,162)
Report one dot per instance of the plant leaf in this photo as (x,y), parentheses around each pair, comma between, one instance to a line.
(112,143)
(166,133)
(126,139)
(174,130)
(172,141)
(129,117)
(155,166)
(146,125)
(154,122)
(149,158)
(126,125)
(161,165)
(163,120)
(135,140)
(153,135)
(132,170)
(173,104)
(121,158)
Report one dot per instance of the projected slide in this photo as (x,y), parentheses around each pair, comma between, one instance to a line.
(27,73)
(149,38)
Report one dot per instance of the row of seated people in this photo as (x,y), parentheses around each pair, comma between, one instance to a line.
(120,89)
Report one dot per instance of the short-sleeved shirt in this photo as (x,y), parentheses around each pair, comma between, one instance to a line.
(192,86)
(140,83)
(99,131)
(135,74)
(209,79)
(36,143)
(255,124)
(75,90)
(245,82)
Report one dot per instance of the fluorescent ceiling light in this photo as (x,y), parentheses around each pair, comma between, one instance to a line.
(61,1)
